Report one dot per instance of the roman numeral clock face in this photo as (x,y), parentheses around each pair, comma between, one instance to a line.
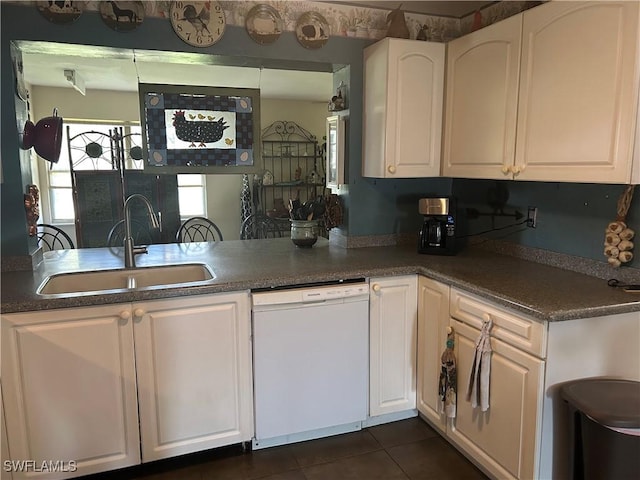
(200,24)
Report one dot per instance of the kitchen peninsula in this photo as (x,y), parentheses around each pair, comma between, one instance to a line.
(550,325)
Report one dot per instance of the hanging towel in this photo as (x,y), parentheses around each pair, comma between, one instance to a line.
(448,379)
(478,391)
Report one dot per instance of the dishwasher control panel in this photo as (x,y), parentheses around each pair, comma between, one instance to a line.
(311,294)
(327,293)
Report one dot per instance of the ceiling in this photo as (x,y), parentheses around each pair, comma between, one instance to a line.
(123,70)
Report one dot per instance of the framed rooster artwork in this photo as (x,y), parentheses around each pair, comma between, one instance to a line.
(192,129)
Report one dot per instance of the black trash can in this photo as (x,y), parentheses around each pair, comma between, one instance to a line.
(605,428)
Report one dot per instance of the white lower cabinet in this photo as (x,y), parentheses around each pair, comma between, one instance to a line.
(4,445)
(433,320)
(69,382)
(69,387)
(503,440)
(392,330)
(193,364)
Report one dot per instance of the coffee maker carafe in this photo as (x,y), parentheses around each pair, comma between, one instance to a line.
(438,232)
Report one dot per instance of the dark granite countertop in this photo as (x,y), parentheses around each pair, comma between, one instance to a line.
(542,291)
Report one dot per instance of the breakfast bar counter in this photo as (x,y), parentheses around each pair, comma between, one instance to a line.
(541,291)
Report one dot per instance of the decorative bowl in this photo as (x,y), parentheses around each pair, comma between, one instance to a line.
(45,136)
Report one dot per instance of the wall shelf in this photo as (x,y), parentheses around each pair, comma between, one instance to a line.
(293,167)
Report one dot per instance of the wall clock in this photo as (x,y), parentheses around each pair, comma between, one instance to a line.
(200,24)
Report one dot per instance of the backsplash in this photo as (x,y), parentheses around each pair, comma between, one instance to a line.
(572,217)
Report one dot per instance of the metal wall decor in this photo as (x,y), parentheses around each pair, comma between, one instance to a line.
(312,30)
(264,24)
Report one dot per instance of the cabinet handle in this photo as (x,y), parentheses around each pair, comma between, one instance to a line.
(125,314)
(519,169)
(375,287)
(506,169)
(486,318)
(138,312)
(391,169)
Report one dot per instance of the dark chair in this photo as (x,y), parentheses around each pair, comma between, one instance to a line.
(259,226)
(140,233)
(51,237)
(198,229)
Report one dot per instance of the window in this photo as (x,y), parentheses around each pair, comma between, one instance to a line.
(191,196)
(92,148)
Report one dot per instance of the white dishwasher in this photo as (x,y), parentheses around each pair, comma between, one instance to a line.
(310,362)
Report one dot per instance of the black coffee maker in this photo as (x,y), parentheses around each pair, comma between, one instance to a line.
(438,232)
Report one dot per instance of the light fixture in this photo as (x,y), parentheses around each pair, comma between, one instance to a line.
(75,80)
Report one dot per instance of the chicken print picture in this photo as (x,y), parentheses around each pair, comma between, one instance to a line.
(197,126)
(200,129)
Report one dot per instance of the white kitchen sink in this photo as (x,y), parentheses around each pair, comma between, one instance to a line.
(114,281)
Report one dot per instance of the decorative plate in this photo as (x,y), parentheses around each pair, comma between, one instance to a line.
(264,24)
(122,16)
(312,30)
(61,11)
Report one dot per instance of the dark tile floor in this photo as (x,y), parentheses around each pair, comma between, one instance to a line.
(407,449)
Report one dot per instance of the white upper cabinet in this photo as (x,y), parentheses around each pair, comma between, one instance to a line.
(403,101)
(482,102)
(576,101)
(578,92)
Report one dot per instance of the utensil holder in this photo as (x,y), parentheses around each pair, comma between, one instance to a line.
(304,233)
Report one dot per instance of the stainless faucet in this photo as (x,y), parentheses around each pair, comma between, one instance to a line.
(129,249)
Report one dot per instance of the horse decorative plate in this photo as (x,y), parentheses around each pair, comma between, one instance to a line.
(122,16)
(312,30)
(264,24)
(61,11)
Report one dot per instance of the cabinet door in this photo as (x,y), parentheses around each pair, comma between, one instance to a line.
(193,360)
(393,325)
(403,97)
(578,92)
(503,439)
(69,387)
(481,105)
(433,320)
(5,473)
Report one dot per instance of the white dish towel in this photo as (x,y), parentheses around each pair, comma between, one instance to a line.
(480,375)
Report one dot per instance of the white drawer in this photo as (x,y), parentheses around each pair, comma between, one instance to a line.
(519,330)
